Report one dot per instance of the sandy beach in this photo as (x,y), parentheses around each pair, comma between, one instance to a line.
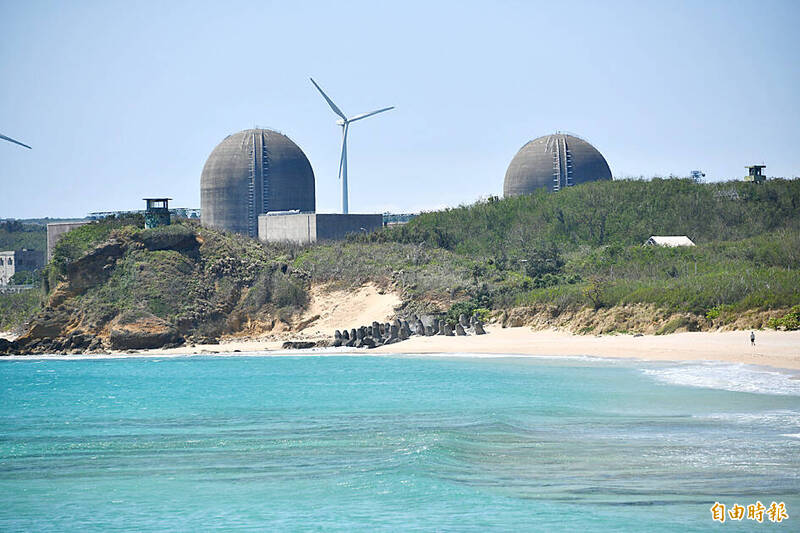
(778,349)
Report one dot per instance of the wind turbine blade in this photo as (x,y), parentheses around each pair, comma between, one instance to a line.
(330,102)
(9,139)
(365,115)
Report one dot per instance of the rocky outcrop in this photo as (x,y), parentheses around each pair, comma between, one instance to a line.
(141,331)
(152,288)
(298,345)
(90,270)
(631,318)
(8,347)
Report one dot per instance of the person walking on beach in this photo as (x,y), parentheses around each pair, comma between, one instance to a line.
(752,339)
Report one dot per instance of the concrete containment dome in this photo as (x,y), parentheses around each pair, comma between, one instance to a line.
(554,162)
(250,173)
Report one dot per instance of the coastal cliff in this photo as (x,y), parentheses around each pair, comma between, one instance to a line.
(115,286)
(575,261)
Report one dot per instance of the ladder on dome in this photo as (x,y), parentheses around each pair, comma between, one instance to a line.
(251,189)
(264,175)
(556,170)
(562,164)
(567,162)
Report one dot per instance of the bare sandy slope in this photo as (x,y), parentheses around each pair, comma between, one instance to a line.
(328,310)
(346,309)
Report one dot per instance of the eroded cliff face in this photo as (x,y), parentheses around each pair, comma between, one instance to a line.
(142,289)
(634,318)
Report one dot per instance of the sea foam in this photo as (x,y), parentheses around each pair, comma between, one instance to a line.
(728,376)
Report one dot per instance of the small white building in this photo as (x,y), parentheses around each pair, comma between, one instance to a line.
(669,241)
(13,261)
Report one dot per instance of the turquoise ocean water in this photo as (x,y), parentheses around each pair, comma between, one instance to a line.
(342,443)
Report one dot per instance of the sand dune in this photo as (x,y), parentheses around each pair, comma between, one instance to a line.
(330,310)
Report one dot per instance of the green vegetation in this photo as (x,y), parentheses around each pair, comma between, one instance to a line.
(579,248)
(583,246)
(790,321)
(621,212)
(710,279)
(15,235)
(200,281)
(26,277)
(468,308)
(80,240)
(16,308)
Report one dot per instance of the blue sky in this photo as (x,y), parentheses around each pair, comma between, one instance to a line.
(122,100)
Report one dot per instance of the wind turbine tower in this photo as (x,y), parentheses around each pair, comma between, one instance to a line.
(9,139)
(344,122)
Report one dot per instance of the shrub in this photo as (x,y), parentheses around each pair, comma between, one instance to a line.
(457,309)
(679,322)
(26,277)
(285,293)
(468,308)
(16,308)
(790,321)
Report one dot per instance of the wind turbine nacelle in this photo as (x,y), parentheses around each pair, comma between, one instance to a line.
(340,122)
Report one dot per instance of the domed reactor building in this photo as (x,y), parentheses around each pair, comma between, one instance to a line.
(554,162)
(251,173)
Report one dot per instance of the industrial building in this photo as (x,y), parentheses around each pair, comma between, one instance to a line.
(13,261)
(554,162)
(250,173)
(259,183)
(304,228)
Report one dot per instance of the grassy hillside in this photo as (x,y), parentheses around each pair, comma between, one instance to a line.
(615,212)
(559,254)
(182,273)
(583,246)
(184,280)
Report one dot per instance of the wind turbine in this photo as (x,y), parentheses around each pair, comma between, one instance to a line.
(9,139)
(345,124)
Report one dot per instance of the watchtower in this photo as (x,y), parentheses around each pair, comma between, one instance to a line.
(157,212)
(754,174)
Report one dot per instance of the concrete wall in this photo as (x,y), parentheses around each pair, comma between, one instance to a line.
(311,227)
(334,227)
(57,230)
(296,227)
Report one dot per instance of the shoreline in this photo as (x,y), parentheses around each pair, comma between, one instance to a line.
(777,349)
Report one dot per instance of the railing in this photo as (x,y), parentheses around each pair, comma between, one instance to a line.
(13,289)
